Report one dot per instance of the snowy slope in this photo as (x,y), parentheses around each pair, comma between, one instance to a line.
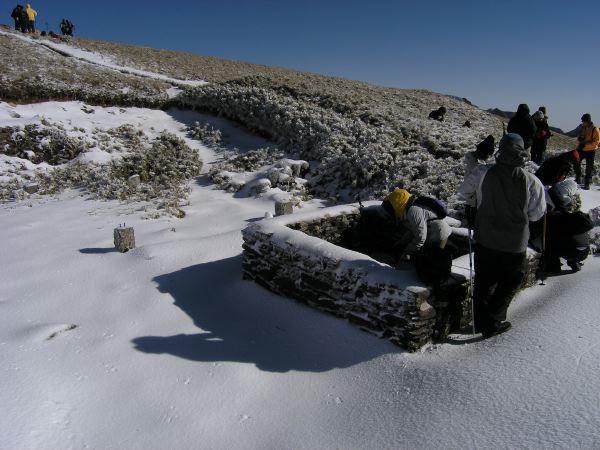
(167,347)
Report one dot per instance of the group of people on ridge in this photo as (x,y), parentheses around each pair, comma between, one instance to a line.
(25,21)
(24,18)
(509,210)
(66,27)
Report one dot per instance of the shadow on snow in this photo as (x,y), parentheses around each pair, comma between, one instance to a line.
(245,323)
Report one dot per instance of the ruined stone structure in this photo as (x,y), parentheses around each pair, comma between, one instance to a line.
(295,256)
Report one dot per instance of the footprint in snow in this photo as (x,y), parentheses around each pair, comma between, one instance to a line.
(45,332)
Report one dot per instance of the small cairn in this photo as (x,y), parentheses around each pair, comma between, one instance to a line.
(124,238)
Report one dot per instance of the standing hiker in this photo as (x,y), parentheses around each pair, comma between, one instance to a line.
(508,198)
(66,27)
(540,138)
(523,125)
(475,166)
(20,17)
(17,14)
(589,138)
(31,14)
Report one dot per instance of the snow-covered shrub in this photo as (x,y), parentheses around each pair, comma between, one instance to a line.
(205,133)
(259,170)
(39,143)
(164,167)
(352,151)
(249,161)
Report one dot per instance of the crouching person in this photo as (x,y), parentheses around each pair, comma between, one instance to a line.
(508,198)
(567,229)
(427,234)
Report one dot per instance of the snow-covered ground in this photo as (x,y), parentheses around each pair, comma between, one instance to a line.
(167,347)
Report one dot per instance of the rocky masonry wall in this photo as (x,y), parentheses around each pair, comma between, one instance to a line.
(281,255)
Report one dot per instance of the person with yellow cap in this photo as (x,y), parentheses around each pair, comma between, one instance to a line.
(426,230)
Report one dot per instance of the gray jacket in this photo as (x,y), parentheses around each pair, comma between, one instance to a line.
(508,198)
(425,228)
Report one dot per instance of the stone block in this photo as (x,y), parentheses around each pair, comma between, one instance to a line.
(124,239)
(31,188)
(283,208)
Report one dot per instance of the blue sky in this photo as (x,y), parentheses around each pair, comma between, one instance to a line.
(495,53)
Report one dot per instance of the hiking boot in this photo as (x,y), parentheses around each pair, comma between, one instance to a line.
(586,187)
(575,265)
(499,328)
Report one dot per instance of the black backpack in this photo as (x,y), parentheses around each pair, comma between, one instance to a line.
(432,204)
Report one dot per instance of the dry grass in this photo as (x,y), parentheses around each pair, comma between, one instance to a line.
(31,72)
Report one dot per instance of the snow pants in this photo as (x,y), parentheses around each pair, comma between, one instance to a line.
(538,148)
(587,156)
(498,276)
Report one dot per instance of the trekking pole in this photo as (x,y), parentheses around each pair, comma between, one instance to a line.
(470,270)
(543,257)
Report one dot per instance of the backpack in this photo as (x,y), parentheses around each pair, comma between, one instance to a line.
(432,204)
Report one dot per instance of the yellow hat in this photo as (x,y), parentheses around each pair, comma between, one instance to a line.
(399,199)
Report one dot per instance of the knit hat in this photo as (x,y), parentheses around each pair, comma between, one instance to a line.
(486,147)
(565,193)
(511,151)
(538,116)
(523,109)
(399,200)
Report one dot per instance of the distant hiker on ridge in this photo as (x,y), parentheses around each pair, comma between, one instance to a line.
(589,138)
(508,198)
(20,17)
(540,138)
(438,114)
(523,125)
(31,14)
(66,27)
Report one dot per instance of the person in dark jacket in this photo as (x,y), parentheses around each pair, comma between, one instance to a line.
(523,125)
(66,27)
(540,139)
(567,229)
(20,17)
(558,168)
(438,114)
(508,198)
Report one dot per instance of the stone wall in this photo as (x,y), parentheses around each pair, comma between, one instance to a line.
(285,256)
